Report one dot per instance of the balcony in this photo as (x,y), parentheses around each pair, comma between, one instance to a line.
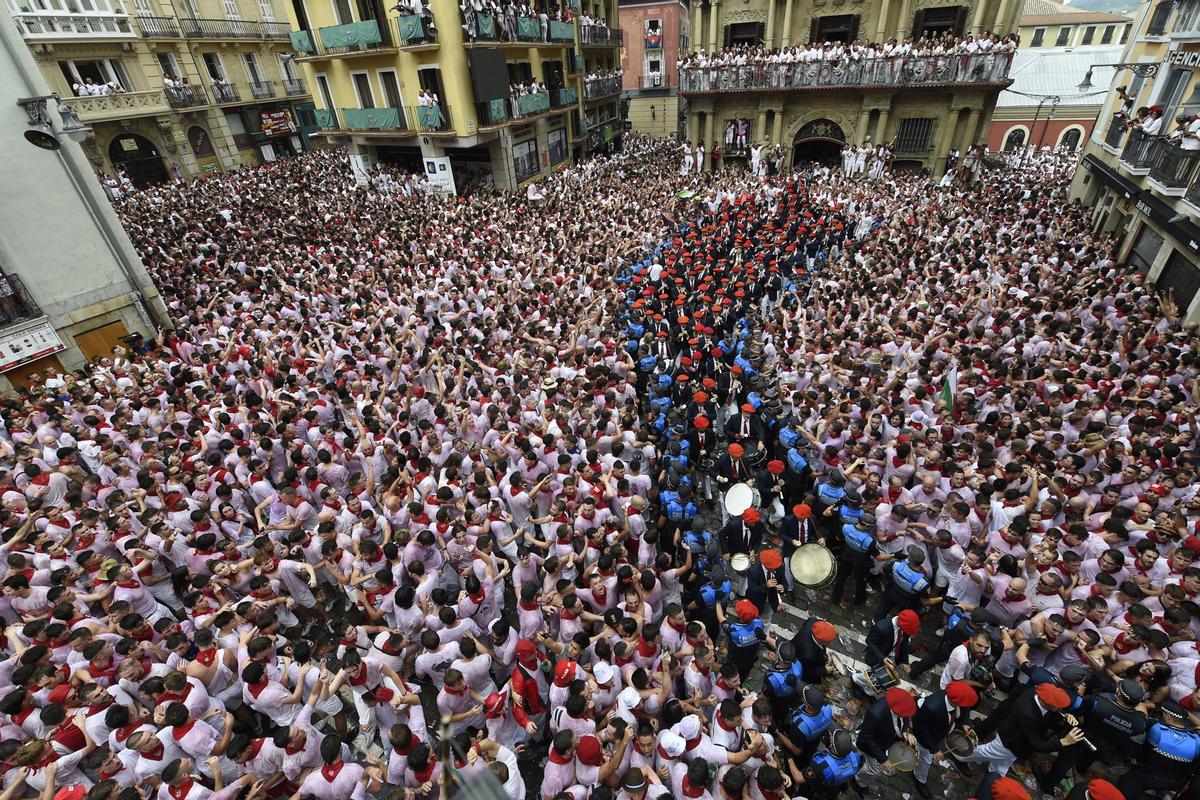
(275,30)
(529,29)
(126,105)
(50,25)
(373,119)
(492,112)
(158,27)
(354,38)
(1175,168)
(530,105)
(597,88)
(197,28)
(654,80)
(1116,131)
(415,32)
(978,70)
(563,97)
(262,90)
(326,119)
(301,42)
(431,119)
(15,303)
(186,96)
(601,36)
(294,87)
(225,93)
(561,31)
(1140,151)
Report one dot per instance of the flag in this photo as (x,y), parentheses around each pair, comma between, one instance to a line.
(950,387)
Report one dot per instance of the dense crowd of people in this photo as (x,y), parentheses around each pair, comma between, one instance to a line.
(933,59)
(420,490)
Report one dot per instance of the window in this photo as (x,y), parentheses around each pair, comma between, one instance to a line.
(1064,36)
(391,88)
(914,135)
(525,159)
(212,63)
(189,9)
(1015,140)
(1039,36)
(1158,22)
(341,9)
(362,88)
(267,10)
(1070,139)
(169,65)
(231,9)
(1145,249)
(1171,94)
(238,128)
(323,86)
(1188,18)
(1125,33)
(430,80)
(1107,36)
(99,71)
(558,146)
(654,37)
(143,8)
(287,66)
(1089,34)
(930,22)
(744,33)
(1182,278)
(520,72)
(252,70)
(838,28)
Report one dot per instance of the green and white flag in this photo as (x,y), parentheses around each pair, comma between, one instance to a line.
(950,387)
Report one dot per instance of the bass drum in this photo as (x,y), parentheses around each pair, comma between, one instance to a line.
(813,566)
(738,498)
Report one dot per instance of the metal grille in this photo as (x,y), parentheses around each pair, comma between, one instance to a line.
(914,134)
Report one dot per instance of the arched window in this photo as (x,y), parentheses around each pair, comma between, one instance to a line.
(1070,140)
(1015,140)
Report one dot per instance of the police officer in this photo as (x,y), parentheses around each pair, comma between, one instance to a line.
(808,725)
(1169,756)
(830,491)
(697,540)
(708,605)
(745,635)
(1111,723)
(907,585)
(857,553)
(782,683)
(832,769)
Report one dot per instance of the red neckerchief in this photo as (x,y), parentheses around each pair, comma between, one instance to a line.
(181,790)
(645,649)
(257,688)
(125,732)
(692,791)
(330,771)
(207,657)
(423,775)
(154,755)
(180,731)
(555,758)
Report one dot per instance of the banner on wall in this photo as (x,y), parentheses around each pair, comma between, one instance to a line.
(277,123)
(360,168)
(440,175)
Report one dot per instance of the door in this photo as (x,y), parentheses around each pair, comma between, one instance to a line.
(391,89)
(138,158)
(99,342)
(362,86)
(212,63)
(1182,279)
(19,376)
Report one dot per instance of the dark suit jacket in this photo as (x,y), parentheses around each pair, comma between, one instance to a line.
(724,469)
(1026,730)
(759,593)
(733,428)
(876,733)
(881,644)
(932,722)
(735,540)
(809,653)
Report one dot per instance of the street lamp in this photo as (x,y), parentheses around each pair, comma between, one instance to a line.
(43,133)
(1142,70)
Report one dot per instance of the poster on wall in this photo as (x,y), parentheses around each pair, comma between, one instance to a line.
(440,175)
(26,343)
(360,168)
(277,123)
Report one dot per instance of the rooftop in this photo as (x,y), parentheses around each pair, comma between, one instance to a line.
(1049,12)
(1043,73)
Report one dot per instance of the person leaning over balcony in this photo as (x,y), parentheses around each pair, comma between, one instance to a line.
(1187,132)
(1152,125)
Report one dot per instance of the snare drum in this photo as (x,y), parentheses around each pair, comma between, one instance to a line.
(882,678)
(740,563)
(903,756)
(738,498)
(813,566)
(961,743)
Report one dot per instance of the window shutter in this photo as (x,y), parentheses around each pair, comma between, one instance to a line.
(726,36)
(812,30)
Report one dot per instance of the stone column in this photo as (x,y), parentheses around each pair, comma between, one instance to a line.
(770,34)
(966,136)
(714,15)
(977,16)
(860,130)
(881,27)
(761,130)
(777,130)
(708,139)
(881,127)
(945,142)
(785,36)
(904,22)
(695,35)
(693,127)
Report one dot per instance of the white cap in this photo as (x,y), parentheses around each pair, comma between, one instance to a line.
(629,697)
(672,744)
(688,727)
(603,673)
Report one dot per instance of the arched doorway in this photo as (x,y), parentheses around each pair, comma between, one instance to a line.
(821,141)
(1070,139)
(1015,140)
(139,158)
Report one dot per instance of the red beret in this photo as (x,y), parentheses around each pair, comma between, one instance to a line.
(1053,696)
(910,623)
(802,510)
(1100,789)
(1009,789)
(700,422)
(823,632)
(962,694)
(901,703)
(775,467)
(745,610)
